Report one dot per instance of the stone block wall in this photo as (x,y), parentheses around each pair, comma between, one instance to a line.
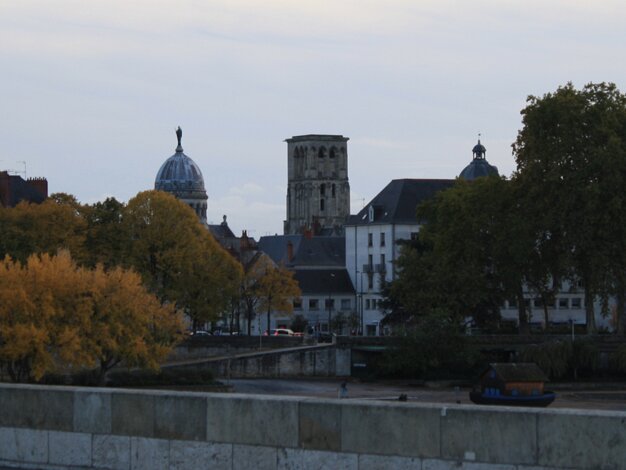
(68,427)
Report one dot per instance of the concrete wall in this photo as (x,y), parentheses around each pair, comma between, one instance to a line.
(311,361)
(66,427)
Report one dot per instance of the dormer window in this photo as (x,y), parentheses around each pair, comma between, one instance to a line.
(371,213)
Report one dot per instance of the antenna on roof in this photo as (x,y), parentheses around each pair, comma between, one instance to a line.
(23,162)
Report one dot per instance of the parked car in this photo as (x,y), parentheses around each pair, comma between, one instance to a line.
(279,332)
(200,333)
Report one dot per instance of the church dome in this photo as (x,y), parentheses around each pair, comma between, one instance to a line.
(179,173)
(181,177)
(479,166)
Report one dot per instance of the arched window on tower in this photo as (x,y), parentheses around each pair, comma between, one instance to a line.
(322,189)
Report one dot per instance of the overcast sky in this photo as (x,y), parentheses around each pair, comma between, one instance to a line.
(92,92)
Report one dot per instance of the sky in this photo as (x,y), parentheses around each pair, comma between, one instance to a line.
(91,92)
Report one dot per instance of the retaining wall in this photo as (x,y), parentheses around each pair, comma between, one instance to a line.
(69,427)
(308,361)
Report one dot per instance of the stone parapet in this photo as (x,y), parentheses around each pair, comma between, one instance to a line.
(71,427)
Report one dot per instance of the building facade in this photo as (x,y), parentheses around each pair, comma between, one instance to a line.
(328,300)
(15,189)
(372,238)
(318,190)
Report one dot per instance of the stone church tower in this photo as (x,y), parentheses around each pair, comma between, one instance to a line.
(318,191)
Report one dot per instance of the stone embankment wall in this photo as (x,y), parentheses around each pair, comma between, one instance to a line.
(67,427)
(305,361)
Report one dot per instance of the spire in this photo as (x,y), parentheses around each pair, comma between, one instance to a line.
(179,135)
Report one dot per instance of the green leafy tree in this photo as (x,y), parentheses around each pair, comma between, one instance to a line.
(471,254)
(105,237)
(571,158)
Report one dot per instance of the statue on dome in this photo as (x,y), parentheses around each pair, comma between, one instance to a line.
(179,134)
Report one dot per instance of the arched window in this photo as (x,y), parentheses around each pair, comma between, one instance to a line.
(322,189)
(333,152)
(321,204)
(333,190)
(322,152)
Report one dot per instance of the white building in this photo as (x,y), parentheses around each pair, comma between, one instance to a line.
(372,238)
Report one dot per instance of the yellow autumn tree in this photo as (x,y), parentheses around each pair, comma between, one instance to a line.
(275,289)
(128,324)
(58,317)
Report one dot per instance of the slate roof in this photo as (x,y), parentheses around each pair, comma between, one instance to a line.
(518,372)
(324,281)
(310,252)
(221,231)
(398,201)
(275,246)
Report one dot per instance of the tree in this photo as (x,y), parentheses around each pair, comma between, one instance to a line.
(105,236)
(275,291)
(128,324)
(58,317)
(56,224)
(177,257)
(571,158)
(468,257)
(254,270)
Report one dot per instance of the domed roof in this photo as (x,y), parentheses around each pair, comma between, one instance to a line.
(180,173)
(479,166)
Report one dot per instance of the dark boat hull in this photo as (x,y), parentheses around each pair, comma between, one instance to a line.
(506,400)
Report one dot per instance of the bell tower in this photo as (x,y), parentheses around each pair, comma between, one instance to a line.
(318,191)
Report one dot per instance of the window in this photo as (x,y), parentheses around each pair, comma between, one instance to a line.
(332,190)
(513,303)
(564,303)
(382,239)
(577,302)
(414,235)
(330,304)
(345,304)
(367,304)
(314,304)
(297,304)
(371,213)
(382,262)
(321,204)
(322,189)
(370,281)
(370,239)
(538,303)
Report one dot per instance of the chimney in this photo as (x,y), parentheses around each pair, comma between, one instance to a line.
(289,252)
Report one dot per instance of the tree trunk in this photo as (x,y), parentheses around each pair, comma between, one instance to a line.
(589,312)
(522,317)
(620,314)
